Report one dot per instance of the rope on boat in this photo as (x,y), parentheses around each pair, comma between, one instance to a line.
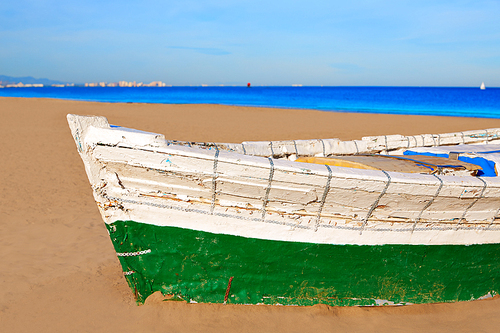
(243,147)
(323,198)
(204,212)
(214,179)
(296,151)
(416,142)
(494,218)
(133,254)
(272,151)
(356,144)
(268,189)
(227,289)
(293,225)
(463,137)
(324,150)
(427,205)
(472,203)
(375,204)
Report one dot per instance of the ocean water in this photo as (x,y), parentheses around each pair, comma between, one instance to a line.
(465,102)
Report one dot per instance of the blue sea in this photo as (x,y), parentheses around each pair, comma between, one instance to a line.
(465,102)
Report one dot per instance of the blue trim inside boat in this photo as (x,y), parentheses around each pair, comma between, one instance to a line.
(487,165)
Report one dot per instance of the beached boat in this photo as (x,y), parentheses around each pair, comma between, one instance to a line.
(382,220)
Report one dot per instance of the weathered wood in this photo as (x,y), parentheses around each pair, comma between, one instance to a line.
(139,174)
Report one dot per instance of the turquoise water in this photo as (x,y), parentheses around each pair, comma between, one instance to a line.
(465,102)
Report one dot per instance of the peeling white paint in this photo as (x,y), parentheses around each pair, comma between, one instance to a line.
(140,176)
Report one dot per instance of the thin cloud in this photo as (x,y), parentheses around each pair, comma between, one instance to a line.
(346,67)
(203,50)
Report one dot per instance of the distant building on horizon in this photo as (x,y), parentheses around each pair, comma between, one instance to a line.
(9,84)
(140,84)
(20,85)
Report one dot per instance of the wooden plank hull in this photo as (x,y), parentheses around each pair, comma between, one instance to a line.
(197,266)
(205,194)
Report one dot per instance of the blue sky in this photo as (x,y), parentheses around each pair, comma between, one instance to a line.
(265,42)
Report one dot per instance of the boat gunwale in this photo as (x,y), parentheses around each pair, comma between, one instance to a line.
(312,169)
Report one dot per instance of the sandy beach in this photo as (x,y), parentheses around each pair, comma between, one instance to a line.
(58,269)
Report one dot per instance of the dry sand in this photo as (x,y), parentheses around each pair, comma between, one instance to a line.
(58,270)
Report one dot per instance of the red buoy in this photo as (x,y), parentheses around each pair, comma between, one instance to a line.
(248,84)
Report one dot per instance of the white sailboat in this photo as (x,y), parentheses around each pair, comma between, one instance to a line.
(482,86)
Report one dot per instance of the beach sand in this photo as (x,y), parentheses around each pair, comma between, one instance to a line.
(58,269)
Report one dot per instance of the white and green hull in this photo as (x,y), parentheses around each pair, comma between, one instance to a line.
(184,220)
(197,265)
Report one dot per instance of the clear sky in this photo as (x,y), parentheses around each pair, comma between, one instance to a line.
(265,42)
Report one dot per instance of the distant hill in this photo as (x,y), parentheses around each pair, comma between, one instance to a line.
(4,79)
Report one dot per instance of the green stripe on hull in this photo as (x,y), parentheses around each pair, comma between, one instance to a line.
(197,265)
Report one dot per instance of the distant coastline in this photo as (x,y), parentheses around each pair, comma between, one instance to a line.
(31,82)
(20,84)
